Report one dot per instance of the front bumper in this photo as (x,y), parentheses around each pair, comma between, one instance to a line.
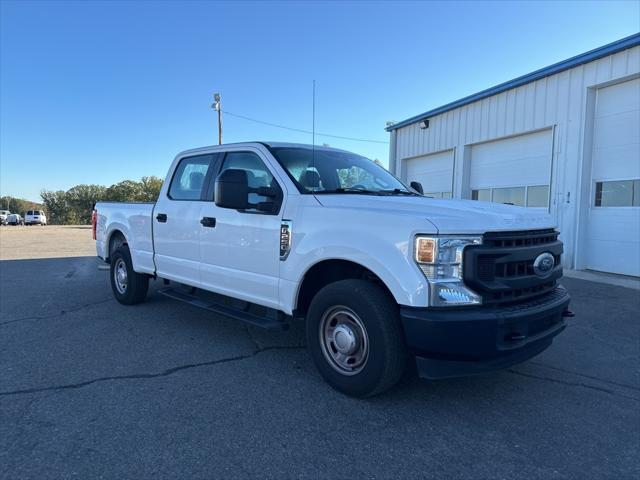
(467,341)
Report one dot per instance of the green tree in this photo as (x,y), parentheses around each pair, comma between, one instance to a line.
(56,206)
(125,191)
(81,198)
(76,204)
(150,188)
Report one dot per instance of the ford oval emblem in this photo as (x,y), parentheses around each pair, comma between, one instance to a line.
(543,264)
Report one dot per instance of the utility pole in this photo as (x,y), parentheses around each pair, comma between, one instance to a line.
(217,106)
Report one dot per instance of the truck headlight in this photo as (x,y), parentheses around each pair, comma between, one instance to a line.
(440,259)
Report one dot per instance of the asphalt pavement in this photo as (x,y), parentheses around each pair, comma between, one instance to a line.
(93,389)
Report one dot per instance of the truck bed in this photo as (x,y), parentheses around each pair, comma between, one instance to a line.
(133,220)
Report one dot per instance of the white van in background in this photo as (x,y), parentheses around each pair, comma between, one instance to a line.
(35,217)
(3,216)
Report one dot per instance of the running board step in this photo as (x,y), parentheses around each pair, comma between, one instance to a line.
(235,313)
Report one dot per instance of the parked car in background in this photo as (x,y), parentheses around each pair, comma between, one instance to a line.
(3,216)
(14,219)
(35,217)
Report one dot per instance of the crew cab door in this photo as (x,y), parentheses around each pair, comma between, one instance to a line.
(176,220)
(240,249)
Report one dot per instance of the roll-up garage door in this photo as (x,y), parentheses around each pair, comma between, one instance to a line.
(434,172)
(515,170)
(612,242)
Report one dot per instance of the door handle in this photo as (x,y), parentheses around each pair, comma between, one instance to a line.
(161,217)
(209,222)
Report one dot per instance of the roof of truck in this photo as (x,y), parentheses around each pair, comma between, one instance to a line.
(265,143)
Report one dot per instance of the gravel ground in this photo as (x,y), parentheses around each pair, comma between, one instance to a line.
(90,388)
(52,241)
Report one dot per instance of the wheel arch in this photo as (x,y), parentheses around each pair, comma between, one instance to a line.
(327,271)
(115,239)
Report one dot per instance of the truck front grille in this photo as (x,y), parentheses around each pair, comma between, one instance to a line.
(501,269)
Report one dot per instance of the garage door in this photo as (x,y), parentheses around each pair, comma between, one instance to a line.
(613,228)
(515,170)
(434,172)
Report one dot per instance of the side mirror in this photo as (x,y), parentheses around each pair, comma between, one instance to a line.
(417,186)
(232,189)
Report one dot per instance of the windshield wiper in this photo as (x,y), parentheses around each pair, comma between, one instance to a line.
(398,191)
(358,191)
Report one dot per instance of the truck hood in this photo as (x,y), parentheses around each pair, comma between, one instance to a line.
(447,216)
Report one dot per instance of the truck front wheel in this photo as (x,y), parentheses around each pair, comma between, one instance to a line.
(129,287)
(354,336)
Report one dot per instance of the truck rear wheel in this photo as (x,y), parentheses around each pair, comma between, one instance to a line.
(129,287)
(354,336)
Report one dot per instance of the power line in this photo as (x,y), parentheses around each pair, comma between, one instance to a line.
(303,131)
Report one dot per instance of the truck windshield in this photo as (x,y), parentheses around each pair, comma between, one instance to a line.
(334,171)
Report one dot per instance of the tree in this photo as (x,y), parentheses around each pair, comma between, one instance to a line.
(76,204)
(150,188)
(125,191)
(57,207)
(81,198)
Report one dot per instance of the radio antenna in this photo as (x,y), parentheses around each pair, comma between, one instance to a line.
(313,126)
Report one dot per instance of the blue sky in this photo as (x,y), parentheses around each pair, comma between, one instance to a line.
(94,92)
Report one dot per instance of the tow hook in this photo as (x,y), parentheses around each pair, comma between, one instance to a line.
(568,314)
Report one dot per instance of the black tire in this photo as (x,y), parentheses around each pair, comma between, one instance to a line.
(136,284)
(378,313)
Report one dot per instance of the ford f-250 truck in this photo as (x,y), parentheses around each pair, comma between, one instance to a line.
(271,233)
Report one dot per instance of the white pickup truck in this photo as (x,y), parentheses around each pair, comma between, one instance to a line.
(271,233)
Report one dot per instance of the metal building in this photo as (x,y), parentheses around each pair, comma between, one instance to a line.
(565,138)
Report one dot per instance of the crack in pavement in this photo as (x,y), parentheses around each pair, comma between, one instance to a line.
(252,338)
(591,377)
(164,373)
(572,384)
(54,315)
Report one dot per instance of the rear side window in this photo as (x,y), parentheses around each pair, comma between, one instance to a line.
(30,212)
(189,178)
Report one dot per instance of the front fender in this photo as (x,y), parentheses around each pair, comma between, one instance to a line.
(388,261)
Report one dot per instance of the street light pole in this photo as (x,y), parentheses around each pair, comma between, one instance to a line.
(217,106)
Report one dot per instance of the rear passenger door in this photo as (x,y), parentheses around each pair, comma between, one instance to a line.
(176,220)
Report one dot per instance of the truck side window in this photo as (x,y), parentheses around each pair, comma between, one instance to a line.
(259,175)
(188,179)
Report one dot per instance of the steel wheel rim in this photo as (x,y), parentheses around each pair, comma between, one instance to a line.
(344,340)
(120,276)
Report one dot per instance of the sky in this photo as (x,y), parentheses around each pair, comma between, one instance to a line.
(97,92)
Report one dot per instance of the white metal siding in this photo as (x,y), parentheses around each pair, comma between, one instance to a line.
(434,172)
(557,101)
(513,161)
